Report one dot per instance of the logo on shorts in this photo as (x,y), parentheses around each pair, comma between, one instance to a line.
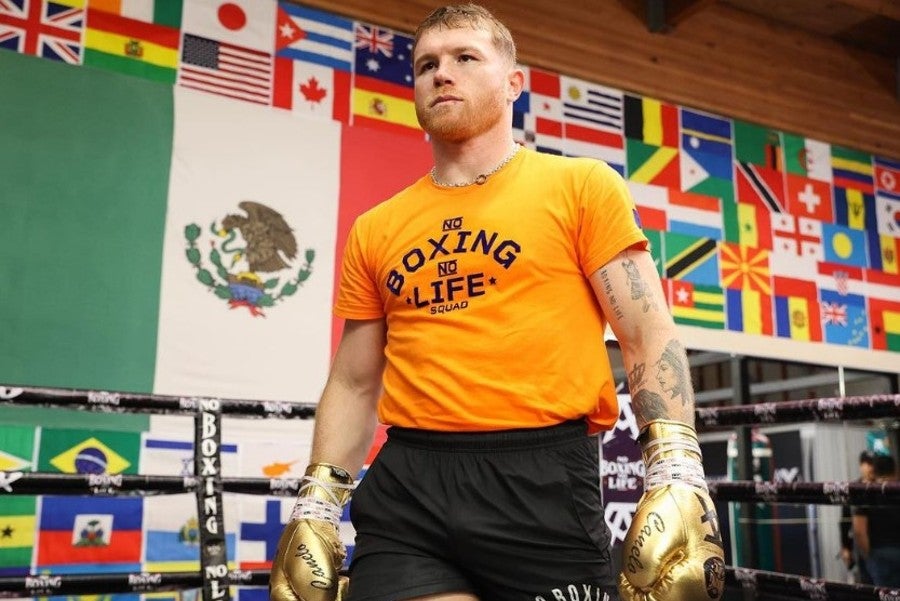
(252,258)
(575,592)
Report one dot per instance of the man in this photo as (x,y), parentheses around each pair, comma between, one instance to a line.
(475,305)
(876,531)
(849,555)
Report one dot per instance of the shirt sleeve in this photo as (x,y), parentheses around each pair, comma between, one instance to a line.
(357,295)
(609,221)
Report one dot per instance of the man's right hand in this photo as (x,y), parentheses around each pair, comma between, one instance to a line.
(310,552)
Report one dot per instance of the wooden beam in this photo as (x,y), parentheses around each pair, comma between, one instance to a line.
(677,11)
(884,8)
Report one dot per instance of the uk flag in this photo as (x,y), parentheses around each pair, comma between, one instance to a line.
(43,28)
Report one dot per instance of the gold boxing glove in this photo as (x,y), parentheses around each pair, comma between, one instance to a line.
(673,549)
(310,552)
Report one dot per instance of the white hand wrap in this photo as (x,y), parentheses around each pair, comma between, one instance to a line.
(314,508)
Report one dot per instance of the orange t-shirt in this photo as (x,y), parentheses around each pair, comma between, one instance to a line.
(491,321)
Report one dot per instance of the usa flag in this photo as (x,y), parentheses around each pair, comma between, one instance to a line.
(42,28)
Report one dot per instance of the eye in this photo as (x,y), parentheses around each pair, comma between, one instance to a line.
(465,58)
(426,66)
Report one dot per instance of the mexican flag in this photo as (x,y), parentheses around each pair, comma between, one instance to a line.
(162,239)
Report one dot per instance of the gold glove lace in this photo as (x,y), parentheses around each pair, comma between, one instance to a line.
(685,466)
(314,508)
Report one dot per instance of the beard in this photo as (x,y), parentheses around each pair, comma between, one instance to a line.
(462,121)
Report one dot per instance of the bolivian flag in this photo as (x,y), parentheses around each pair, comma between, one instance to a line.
(133,46)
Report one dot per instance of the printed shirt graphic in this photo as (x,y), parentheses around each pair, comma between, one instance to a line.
(469,287)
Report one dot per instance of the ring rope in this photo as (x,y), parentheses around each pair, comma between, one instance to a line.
(125,402)
(755,582)
(208,412)
(833,409)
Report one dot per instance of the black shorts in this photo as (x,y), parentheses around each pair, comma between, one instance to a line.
(508,516)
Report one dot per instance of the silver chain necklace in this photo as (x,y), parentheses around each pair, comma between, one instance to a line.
(481,178)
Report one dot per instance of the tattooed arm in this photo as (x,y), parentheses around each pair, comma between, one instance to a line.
(631,296)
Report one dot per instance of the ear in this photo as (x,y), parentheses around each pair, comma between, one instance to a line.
(515,83)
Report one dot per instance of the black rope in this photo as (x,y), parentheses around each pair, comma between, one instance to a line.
(126,402)
(835,409)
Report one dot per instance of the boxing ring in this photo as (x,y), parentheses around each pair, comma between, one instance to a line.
(208,484)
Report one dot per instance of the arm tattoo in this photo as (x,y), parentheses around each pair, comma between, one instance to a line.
(673,373)
(636,376)
(639,288)
(607,287)
(648,406)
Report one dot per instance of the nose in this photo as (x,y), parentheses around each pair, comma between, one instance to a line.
(442,75)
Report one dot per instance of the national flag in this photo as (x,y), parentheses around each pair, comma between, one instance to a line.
(844,245)
(691,259)
(254,304)
(198,320)
(879,284)
(547,110)
(844,319)
(248,24)
(383,93)
(17,534)
(843,305)
(88,451)
(807,157)
(650,164)
(312,36)
(745,267)
(593,121)
(796,309)
(695,215)
(262,520)
(652,204)
(313,90)
(758,145)
(887,175)
(760,186)
(809,198)
(843,279)
(161,12)
(709,135)
(798,235)
(754,225)
(134,46)
(260,458)
(90,534)
(855,209)
(651,121)
(749,311)
(885,315)
(17,448)
(696,304)
(225,69)
(170,456)
(172,533)
(313,62)
(887,214)
(883,252)
(852,169)
(43,28)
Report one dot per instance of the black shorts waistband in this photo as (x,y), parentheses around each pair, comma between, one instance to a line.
(525,438)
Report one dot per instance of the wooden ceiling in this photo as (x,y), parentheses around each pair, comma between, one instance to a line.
(870,25)
(826,69)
